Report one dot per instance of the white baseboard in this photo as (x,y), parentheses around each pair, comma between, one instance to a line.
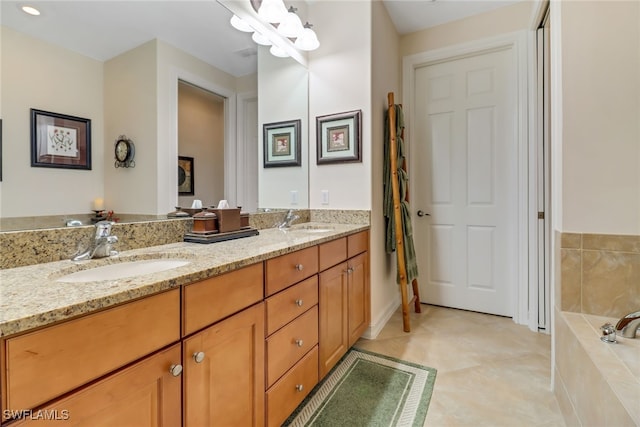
(377,324)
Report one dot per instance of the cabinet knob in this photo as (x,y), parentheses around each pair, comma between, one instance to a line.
(198,356)
(299,387)
(299,267)
(175,370)
(299,302)
(349,270)
(299,343)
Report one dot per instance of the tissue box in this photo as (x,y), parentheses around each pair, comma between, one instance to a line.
(228,219)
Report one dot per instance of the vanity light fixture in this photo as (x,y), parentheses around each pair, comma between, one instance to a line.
(291,25)
(278,51)
(272,11)
(240,25)
(30,10)
(308,40)
(261,39)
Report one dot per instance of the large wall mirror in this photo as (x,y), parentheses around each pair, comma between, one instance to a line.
(106,61)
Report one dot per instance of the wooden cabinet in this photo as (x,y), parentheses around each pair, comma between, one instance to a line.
(143,395)
(44,364)
(344,300)
(224,372)
(240,349)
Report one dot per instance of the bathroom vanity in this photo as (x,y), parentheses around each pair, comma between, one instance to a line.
(239,336)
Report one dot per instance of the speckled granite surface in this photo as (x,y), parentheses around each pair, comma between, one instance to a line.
(30,296)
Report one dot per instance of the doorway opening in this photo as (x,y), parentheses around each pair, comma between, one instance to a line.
(201,138)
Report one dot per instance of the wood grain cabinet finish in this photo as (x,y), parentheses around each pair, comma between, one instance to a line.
(285,270)
(289,344)
(44,364)
(357,243)
(332,253)
(359,296)
(290,390)
(285,306)
(333,320)
(224,372)
(213,299)
(145,394)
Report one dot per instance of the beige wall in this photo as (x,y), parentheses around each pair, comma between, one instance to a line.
(386,77)
(130,99)
(340,81)
(601,126)
(57,80)
(500,21)
(201,136)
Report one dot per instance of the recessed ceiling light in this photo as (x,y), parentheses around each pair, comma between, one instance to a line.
(30,10)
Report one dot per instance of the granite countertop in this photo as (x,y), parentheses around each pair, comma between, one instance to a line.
(30,296)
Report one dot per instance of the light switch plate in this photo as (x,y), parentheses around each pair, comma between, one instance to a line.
(325,197)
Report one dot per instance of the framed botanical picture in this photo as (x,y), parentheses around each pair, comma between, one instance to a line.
(185,176)
(339,137)
(282,144)
(60,141)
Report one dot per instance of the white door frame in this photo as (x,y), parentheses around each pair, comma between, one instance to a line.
(524,309)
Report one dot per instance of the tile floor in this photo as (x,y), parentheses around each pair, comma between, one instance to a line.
(491,372)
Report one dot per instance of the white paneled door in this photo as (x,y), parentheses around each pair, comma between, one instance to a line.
(464,188)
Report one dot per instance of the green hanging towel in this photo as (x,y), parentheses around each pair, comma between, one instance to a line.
(411,264)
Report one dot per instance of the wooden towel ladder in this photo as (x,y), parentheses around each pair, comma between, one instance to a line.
(397,215)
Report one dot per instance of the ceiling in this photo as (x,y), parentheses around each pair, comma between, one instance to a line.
(103,29)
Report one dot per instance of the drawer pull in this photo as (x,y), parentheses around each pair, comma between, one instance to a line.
(299,302)
(198,357)
(299,343)
(299,387)
(175,370)
(299,267)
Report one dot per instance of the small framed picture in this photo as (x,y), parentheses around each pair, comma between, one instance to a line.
(339,137)
(282,144)
(60,141)
(185,176)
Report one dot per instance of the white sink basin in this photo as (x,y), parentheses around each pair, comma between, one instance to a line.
(123,270)
(314,228)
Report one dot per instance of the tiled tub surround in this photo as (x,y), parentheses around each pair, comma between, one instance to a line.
(596,384)
(31,297)
(29,247)
(600,274)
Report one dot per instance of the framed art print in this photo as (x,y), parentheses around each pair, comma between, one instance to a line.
(185,176)
(339,137)
(282,144)
(60,141)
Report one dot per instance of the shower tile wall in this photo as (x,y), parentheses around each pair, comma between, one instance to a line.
(600,274)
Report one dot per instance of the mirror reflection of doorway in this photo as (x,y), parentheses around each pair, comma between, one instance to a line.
(201,136)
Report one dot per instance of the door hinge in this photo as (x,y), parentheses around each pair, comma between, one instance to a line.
(540,215)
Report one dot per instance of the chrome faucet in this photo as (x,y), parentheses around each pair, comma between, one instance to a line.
(101,245)
(288,219)
(629,325)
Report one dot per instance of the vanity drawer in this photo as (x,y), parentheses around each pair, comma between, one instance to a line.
(357,243)
(290,303)
(292,388)
(44,364)
(332,253)
(213,299)
(289,344)
(286,270)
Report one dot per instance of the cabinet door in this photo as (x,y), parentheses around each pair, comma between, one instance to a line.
(142,395)
(224,386)
(359,296)
(333,318)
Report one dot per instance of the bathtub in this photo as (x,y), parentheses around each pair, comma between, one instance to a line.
(596,384)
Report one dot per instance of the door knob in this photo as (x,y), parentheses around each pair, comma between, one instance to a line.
(421,213)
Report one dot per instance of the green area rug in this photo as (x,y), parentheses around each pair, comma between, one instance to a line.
(368,389)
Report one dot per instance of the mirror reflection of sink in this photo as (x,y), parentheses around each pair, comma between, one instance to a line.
(123,270)
(314,228)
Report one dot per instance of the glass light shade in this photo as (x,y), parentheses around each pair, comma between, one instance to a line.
(272,11)
(278,51)
(307,40)
(290,26)
(241,25)
(260,39)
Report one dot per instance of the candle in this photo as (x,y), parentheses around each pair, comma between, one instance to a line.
(98,205)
